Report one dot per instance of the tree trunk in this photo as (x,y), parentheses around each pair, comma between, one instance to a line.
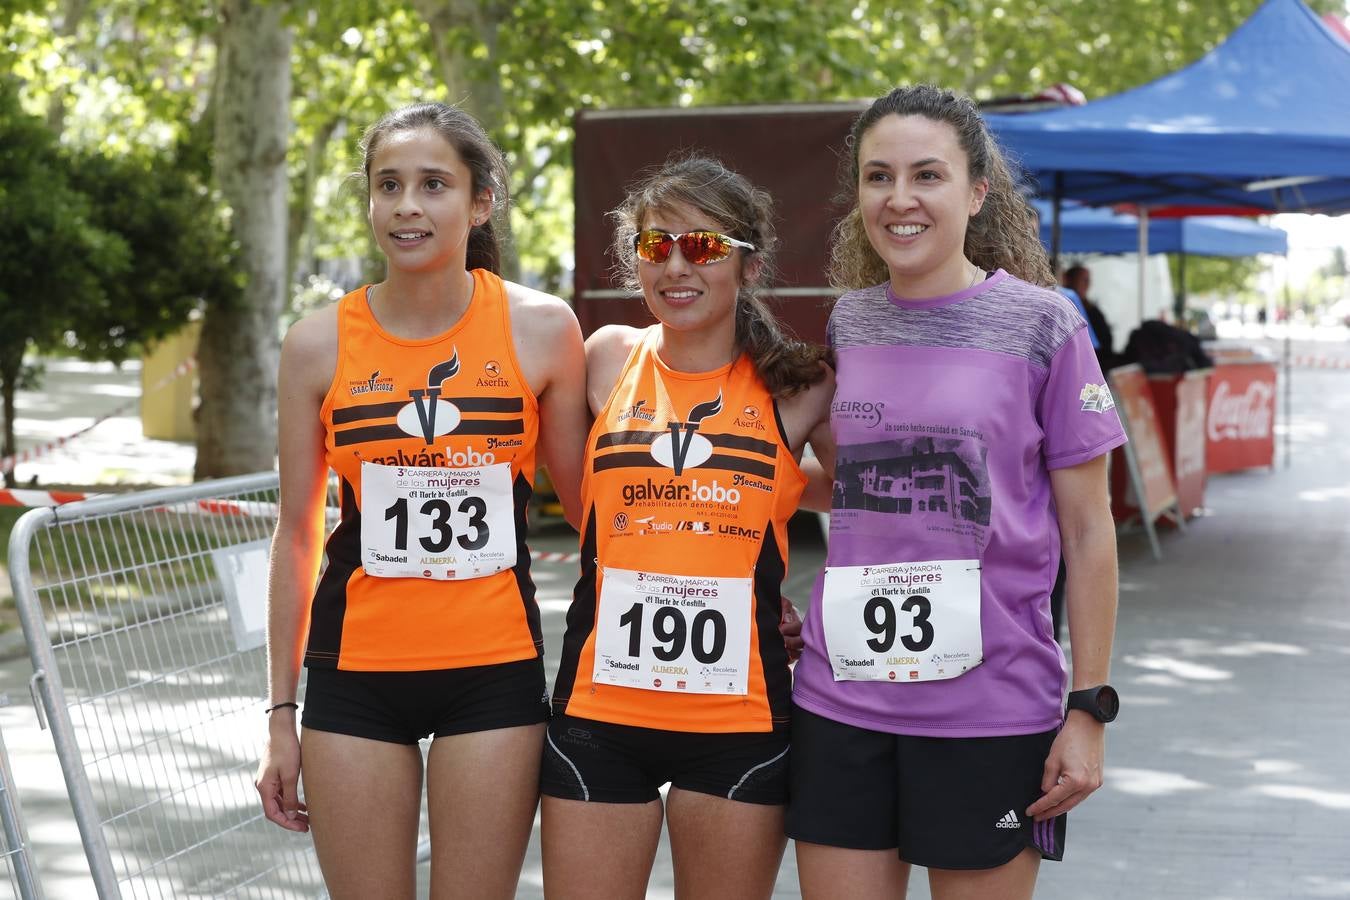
(240,342)
(9,380)
(481,96)
(302,208)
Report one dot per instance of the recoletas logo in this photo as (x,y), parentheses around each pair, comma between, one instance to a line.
(427,416)
(683,448)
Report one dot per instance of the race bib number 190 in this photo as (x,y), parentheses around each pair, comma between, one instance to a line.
(900,622)
(679,633)
(445,524)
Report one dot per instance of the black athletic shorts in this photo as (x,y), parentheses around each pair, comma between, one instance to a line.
(944,803)
(404,707)
(607,763)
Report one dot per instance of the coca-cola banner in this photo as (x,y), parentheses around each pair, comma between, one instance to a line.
(1180,401)
(1134,402)
(1188,452)
(1239,428)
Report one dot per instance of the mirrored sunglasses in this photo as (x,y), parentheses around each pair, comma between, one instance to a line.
(699,247)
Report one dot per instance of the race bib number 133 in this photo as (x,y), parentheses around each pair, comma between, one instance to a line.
(445,524)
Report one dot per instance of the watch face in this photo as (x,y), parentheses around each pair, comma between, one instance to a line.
(1108,703)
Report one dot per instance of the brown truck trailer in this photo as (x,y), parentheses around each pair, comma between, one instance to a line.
(793,151)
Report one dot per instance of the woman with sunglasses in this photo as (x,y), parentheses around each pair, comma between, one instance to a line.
(928,724)
(674,670)
(429,394)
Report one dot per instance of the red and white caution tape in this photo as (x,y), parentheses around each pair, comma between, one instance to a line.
(9,462)
(40,498)
(1320,362)
(554,557)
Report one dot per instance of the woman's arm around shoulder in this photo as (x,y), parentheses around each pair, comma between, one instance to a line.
(806,418)
(549,349)
(308,361)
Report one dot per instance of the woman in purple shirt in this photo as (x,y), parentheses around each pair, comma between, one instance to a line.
(972,424)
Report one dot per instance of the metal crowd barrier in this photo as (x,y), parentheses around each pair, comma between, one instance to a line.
(144,616)
(15,860)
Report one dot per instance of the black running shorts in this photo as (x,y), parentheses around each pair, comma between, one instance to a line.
(404,707)
(943,803)
(607,763)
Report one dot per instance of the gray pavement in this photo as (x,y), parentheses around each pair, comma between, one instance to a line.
(1226,769)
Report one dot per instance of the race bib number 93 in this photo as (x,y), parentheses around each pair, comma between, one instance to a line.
(900,622)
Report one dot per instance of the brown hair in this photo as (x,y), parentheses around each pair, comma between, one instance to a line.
(486,165)
(1003,234)
(786,365)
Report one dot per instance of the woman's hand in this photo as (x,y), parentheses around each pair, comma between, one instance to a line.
(1073,770)
(279,774)
(790,627)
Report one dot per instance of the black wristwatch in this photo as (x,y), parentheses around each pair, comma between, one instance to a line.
(1101,702)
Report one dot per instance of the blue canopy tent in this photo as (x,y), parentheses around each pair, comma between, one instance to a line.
(1093,230)
(1260,124)
(1085,229)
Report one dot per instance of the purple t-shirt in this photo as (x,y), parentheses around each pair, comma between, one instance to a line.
(949,415)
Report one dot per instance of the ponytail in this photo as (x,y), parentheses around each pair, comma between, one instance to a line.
(484,250)
(786,365)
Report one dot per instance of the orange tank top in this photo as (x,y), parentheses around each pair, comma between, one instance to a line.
(433,442)
(688,488)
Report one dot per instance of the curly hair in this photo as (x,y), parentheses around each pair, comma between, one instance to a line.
(486,165)
(786,365)
(1003,234)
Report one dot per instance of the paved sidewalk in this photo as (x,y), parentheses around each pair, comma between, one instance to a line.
(72,396)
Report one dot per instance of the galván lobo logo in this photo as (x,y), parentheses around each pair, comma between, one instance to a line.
(683,448)
(427,416)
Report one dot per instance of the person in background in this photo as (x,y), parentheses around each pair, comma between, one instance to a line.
(1078,279)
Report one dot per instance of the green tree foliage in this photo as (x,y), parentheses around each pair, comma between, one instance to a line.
(134,76)
(179,250)
(53,259)
(98,253)
(1217,275)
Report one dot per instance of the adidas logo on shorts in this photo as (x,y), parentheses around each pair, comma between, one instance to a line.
(1009,820)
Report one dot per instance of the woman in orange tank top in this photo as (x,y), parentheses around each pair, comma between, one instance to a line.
(674,670)
(427,394)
